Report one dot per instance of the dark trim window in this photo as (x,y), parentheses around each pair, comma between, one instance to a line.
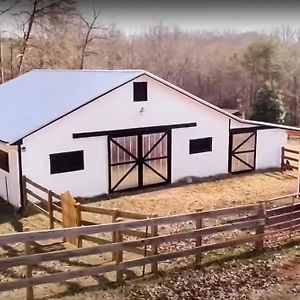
(140,91)
(200,145)
(66,162)
(4,161)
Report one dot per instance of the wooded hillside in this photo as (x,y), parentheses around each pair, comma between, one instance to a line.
(225,68)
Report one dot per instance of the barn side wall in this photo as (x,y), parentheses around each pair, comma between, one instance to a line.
(9,181)
(269,143)
(117,110)
(268,151)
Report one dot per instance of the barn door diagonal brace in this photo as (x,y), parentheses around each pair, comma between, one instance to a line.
(157,173)
(244,162)
(125,175)
(123,148)
(244,142)
(155,145)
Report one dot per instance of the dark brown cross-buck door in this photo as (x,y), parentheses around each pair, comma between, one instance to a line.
(242,151)
(139,160)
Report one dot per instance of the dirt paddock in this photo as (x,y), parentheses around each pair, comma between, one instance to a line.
(183,198)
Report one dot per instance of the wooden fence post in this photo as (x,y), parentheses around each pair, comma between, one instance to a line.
(27,250)
(282,158)
(260,230)
(199,225)
(50,207)
(114,218)
(154,248)
(78,223)
(119,255)
(145,250)
(292,218)
(24,191)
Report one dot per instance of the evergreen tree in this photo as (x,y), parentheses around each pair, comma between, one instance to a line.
(269,106)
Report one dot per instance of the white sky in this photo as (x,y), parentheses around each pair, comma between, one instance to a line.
(134,16)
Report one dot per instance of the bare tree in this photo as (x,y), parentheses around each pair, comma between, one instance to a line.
(90,35)
(34,10)
(2,78)
(7,6)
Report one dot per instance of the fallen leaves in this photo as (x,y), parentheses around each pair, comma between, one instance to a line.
(214,282)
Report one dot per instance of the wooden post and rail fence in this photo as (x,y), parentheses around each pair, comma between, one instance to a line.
(256,223)
(289,159)
(43,201)
(64,211)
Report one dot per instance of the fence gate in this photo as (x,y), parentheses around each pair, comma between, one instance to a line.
(139,160)
(242,150)
(69,215)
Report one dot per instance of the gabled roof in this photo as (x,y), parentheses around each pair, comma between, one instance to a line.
(40,97)
(36,98)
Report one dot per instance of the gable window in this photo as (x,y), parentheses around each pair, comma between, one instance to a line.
(66,162)
(4,161)
(201,145)
(140,91)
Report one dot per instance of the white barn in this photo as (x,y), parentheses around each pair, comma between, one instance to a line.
(95,132)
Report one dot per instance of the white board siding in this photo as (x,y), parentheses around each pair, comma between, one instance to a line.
(268,145)
(268,151)
(115,111)
(9,181)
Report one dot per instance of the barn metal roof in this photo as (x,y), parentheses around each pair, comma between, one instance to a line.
(40,97)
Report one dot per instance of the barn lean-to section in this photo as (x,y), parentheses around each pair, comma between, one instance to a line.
(10,174)
(138,131)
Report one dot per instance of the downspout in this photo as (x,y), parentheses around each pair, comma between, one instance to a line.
(21,176)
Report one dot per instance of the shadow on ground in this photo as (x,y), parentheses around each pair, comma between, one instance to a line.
(9,215)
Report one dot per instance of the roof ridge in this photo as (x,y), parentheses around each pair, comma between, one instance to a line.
(87,70)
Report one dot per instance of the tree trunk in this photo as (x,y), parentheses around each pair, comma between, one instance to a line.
(2,79)
(27,34)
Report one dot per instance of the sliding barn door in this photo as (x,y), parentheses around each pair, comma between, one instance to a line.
(242,151)
(123,169)
(155,158)
(139,160)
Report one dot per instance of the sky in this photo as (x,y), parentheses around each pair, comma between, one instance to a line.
(133,16)
(136,16)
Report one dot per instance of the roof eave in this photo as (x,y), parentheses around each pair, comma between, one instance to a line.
(218,109)
(19,141)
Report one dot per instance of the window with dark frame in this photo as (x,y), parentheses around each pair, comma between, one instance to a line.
(140,91)
(201,145)
(66,162)
(4,161)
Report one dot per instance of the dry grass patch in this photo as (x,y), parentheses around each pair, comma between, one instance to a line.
(232,191)
(218,193)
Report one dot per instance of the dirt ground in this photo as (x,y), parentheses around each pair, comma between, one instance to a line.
(177,199)
(210,194)
(231,191)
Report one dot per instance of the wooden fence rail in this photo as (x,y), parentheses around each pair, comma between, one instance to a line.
(120,246)
(262,221)
(43,201)
(48,203)
(287,157)
(20,237)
